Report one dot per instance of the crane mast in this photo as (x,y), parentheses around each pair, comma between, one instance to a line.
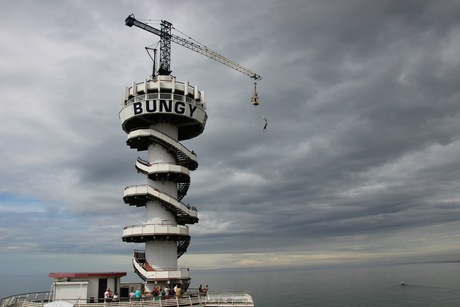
(165,48)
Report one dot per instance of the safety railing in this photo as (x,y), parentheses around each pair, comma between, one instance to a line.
(19,299)
(190,298)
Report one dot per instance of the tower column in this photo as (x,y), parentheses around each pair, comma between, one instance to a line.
(157,115)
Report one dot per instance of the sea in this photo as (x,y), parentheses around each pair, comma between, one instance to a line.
(426,284)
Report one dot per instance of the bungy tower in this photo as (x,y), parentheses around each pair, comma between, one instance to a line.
(157,114)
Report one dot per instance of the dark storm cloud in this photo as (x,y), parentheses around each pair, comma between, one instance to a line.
(372,96)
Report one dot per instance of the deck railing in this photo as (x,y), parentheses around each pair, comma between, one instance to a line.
(42,297)
(217,298)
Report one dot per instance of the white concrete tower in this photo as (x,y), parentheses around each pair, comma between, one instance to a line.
(156,114)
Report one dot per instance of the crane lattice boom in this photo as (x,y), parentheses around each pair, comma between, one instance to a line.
(165,48)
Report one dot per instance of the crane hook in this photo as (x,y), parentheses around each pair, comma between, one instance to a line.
(255,97)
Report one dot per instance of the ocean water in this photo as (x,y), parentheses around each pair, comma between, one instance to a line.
(427,284)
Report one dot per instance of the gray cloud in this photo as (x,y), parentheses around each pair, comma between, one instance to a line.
(361,150)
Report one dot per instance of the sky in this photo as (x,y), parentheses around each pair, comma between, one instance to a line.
(360,160)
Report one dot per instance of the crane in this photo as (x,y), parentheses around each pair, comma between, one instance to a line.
(165,51)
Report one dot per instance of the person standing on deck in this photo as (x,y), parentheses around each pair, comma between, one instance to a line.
(178,292)
(137,294)
(166,292)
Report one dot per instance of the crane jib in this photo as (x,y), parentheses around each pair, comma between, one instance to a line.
(165,47)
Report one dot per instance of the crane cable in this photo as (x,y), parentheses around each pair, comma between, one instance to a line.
(255,101)
(197,42)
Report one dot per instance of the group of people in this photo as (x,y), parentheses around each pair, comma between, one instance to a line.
(110,297)
(202,290)
(157,293)
(165,293)
(135,295)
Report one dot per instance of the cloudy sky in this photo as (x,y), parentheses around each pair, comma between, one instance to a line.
(360,160)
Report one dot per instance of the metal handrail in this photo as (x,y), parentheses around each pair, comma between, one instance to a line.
(18,299)
(190,298)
